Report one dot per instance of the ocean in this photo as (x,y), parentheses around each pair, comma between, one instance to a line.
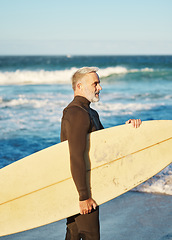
(35,89)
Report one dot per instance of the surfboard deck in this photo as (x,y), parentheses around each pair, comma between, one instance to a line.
(39,189)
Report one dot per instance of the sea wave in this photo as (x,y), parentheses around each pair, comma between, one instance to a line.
(106,109)
(58,76)
(36,77)
(23,101)
(116,109)
(160,183)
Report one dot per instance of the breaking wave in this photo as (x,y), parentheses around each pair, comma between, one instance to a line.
(57,77)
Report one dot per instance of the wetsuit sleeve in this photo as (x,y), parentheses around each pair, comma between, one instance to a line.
(77,124)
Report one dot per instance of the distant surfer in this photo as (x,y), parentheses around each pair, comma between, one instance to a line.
(78,120)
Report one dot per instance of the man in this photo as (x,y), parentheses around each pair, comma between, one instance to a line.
(78,120)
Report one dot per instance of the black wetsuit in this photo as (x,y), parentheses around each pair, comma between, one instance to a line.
(78,120)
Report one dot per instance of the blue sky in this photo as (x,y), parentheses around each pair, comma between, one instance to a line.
(110,27)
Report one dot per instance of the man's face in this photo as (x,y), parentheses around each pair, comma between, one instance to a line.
(91,87)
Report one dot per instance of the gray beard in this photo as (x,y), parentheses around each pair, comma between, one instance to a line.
(95,99)
(91,97)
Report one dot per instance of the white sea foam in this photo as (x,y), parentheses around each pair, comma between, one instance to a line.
(25,102)
(36,77)
(105,109)
(161,183)
(58,76)
(141,70)
(106,72)
(109,109)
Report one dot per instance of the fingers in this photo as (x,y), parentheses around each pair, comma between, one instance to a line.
(135,122)
(127,122)
(87,206)
(86,211)
(94,205)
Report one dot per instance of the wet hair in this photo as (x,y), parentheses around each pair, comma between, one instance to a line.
(80,73)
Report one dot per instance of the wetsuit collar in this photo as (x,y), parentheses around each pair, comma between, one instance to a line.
(84,101)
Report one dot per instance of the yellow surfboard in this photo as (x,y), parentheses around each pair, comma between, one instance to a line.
(39,189)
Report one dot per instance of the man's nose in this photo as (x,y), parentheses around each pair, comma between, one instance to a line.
(99,87)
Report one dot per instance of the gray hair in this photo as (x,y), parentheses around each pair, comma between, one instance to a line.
(80,74)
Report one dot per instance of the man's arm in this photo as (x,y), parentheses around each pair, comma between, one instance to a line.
(77,126)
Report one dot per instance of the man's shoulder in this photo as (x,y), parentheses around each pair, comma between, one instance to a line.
(75,108)
(74,112)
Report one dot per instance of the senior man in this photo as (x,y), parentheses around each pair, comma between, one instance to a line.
(78,120)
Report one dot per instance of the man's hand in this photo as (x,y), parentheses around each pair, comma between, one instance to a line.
(135,122)
(87,205)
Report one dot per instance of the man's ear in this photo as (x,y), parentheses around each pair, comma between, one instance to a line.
(79,85)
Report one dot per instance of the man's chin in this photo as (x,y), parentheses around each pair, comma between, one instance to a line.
(95,99)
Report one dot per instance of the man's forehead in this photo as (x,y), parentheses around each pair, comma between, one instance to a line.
(93,77)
